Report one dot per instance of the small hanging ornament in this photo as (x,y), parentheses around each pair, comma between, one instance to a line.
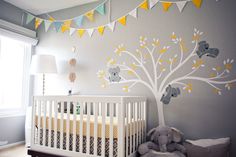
(72,77)
(72,62)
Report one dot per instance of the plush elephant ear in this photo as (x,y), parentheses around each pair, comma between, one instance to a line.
(177,135)
(150,133)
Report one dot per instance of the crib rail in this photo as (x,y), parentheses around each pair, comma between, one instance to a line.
(88,126)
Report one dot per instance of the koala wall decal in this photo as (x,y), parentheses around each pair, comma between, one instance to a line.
(203,49)
(170,92)
(114,74)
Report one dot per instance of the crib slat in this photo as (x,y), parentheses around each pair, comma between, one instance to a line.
(111,129)
(88,128)
(142,124)
(55,123)
(145,123)
(61,125)
(139,125)
(44,121)
(103,128)
(39,121)
(34,107)
(81,127)
(50,124)
(74,126)
(131,128)
(96,105)
(68,125)
(134,126)
(127,130)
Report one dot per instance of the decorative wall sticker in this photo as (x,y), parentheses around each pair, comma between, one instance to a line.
(170,92)
(145,4)
(160,78)
(114,74)
(204,49)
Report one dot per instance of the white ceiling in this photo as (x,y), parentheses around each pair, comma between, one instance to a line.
(38,7)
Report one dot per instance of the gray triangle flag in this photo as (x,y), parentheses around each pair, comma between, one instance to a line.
(181,5)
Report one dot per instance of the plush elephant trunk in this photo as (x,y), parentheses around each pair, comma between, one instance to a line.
(162,141)
(163,148)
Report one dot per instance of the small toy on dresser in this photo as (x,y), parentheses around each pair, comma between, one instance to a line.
(164,142)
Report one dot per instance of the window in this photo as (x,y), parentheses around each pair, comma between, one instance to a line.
(14,77)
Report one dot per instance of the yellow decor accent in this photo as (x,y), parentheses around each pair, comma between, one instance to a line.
(89,15)
(122,20)
(37,22)
(144,5)
(80,32)
(166,5)
(125,88)
(101,29)
(198,63)
(66,26)
(197,3)
(188,87)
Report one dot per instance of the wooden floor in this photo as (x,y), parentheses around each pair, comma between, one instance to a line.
(16,151)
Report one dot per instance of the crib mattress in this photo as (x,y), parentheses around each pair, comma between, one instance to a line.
(132,125)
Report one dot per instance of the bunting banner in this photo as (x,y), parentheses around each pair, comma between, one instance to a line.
(67,25)
(80,32)
(181,5)
(72,30)
(79,21)
(90,15)
(101,30)
(134,13)
(29,18)
(166,5)
(112,26)
(101,9)
(47,24)
(90,31)
(152,3)
(122,20)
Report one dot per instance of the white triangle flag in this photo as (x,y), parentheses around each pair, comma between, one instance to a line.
(47,24)
(112,26)
(152,3)
(72,30)
(181,5)
(90,31)
(133,13)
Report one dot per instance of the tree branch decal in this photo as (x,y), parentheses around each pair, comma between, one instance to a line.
(150,68)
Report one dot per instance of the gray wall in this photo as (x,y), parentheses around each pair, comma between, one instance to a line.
(201,114)
(12,128)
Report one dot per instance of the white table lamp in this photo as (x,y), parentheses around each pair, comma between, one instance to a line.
(43,64)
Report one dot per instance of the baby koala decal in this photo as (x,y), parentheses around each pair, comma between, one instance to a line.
(203,49)
(170,92)
(114,74)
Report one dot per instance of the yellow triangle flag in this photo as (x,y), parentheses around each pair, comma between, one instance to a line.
(166,5)
(37,22)
(144,5)
(122,20)
(66,26)
(51,19)
(101,29)
(80,32)
(197,3)
(89,15)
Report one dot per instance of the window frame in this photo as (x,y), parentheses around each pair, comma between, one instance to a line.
(25,84)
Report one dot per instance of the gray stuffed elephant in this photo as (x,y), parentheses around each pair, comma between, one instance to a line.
(163,139)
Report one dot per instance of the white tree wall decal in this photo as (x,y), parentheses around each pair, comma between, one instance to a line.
(158,78)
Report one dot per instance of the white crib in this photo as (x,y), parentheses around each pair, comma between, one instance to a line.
(88,126)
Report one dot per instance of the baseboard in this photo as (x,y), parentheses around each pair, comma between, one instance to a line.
(11,145)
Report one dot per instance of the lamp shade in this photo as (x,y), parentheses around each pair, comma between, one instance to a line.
(43,64)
